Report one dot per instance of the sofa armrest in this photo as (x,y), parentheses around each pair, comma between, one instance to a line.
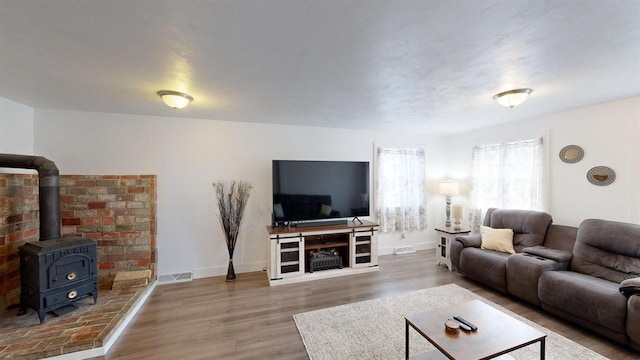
(547,253)
(630,287)
(633,321)
(459,244)
(473,240)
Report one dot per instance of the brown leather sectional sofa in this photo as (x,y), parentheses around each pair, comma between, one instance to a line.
(588,275)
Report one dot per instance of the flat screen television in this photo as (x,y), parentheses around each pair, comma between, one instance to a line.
(316,191)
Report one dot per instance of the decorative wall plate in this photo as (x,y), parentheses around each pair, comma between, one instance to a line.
(601,175)
(571,154)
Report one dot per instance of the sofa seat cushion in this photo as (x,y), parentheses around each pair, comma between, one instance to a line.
(486,266)
(585,297)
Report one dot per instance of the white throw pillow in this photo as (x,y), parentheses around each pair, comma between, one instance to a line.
(497,239)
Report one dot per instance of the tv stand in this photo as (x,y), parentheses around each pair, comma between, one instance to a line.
(290,250)
(356,218)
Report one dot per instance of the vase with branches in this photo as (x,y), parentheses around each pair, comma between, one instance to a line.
(232,197)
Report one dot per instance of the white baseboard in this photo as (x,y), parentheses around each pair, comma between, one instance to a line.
(200,273)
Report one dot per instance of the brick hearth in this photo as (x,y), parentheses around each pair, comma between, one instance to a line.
(88,327)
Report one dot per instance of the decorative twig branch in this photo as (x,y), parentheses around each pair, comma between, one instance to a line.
(232,197)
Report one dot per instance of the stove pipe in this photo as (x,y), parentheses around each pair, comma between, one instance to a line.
(49,187)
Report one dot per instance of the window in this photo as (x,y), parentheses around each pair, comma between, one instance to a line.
(400,193)
(507,175)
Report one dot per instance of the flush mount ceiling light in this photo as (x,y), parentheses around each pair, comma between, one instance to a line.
(175,99)
(512,98)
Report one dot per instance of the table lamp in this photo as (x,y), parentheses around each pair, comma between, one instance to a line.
(448,188)
(457,216)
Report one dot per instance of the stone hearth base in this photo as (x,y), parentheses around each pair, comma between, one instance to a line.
(88,331)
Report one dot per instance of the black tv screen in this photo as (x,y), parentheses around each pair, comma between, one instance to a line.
(319,190)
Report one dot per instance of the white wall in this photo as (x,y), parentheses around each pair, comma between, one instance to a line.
(188,154)
(610,136)
(16,128)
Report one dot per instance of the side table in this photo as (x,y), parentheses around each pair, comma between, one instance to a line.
(446,235)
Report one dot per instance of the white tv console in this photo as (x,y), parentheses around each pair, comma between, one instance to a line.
(290,248)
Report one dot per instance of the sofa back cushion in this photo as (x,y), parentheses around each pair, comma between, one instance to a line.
(561,237)
(529,227)
(607,249)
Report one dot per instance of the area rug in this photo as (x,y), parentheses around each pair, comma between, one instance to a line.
(375,329)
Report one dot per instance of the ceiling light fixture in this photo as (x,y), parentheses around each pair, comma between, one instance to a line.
(512,98)
(175,99)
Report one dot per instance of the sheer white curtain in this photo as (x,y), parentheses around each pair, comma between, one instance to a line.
(508,176)
(401,195)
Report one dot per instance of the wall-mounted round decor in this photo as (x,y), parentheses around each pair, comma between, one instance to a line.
(571,154)
(601,175)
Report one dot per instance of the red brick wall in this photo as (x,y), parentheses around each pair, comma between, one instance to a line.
(18,224)
(118,212)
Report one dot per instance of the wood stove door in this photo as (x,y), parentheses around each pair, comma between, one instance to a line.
(69,269)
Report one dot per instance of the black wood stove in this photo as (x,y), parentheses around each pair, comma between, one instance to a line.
(55,272)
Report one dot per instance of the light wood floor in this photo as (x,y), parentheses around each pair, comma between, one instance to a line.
(212,319)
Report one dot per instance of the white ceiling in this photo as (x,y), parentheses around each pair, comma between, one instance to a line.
(428,66)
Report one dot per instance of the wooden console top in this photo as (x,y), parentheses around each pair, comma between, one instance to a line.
(293,230)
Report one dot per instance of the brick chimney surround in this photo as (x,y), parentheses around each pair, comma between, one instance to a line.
(116,211)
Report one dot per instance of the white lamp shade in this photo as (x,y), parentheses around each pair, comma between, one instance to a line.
(512,98)
(175,99)
(457,211)
(449,188)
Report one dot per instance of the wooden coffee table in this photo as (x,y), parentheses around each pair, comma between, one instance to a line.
(497,335)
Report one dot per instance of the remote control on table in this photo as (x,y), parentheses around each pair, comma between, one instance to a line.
(463,326)
(465,322)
